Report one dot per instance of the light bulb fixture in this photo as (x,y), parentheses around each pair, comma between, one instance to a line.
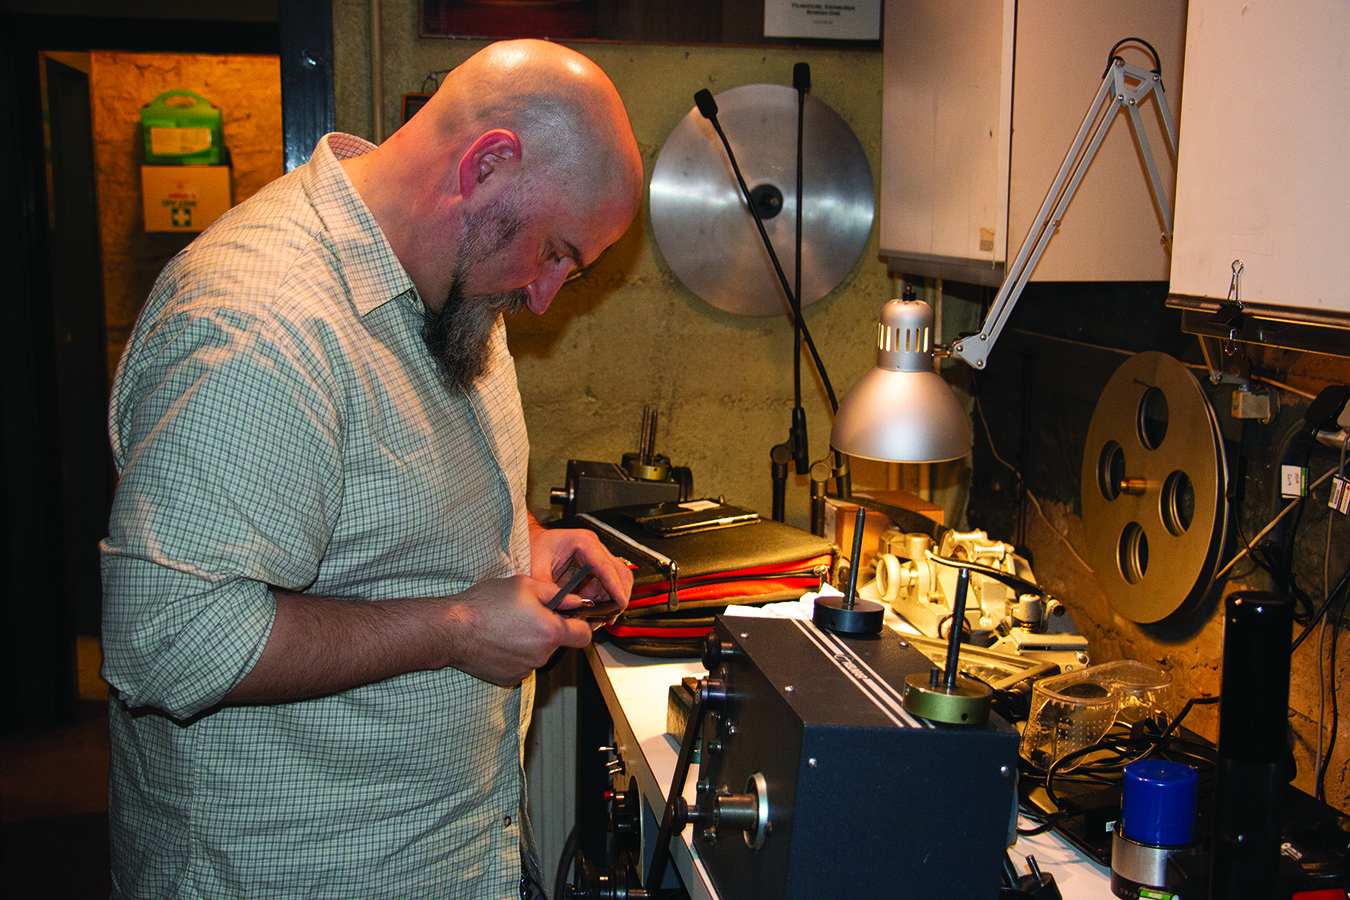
(903,411)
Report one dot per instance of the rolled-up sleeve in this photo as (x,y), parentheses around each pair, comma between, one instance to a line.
(227,439)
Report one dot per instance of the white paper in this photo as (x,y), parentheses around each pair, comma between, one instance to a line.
(845,20)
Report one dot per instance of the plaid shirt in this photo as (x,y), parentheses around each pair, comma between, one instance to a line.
(277,420)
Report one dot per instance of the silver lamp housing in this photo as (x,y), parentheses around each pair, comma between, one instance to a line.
(903,411)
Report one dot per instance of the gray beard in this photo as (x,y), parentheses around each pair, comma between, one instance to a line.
(459,332)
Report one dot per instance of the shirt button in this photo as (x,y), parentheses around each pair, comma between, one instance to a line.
(507,821)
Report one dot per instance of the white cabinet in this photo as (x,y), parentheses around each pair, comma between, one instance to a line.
(981,100)
(1262,176)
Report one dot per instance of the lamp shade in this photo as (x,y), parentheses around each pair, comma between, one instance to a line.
(902,411)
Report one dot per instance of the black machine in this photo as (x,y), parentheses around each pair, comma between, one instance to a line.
(815,781)
(641,477)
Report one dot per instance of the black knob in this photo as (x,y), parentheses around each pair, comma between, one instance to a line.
(716,651)
(714,694)
(625,814)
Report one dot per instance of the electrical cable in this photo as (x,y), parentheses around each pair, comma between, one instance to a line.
(569,853)
(1024,447)
(1012,581)
(1276,557)
(1324,759)
(1116,745)
(1272,523)
(1321,611)
(989,439)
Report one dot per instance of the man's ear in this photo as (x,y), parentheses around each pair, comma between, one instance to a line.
(488,154)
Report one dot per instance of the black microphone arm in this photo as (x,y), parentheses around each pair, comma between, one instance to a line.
(708,107)
(801,452)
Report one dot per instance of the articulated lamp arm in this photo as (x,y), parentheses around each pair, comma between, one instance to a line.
(1123,86)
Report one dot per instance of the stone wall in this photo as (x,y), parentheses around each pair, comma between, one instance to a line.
(248,91)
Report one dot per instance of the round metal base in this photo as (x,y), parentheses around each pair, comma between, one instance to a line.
(965,703)
(1136,865)
(835,614)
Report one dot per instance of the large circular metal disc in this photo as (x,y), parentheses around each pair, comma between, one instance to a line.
(1154,480)
(707,234)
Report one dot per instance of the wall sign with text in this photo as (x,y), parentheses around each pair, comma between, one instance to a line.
(840,20)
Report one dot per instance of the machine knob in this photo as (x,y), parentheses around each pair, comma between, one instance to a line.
(716,651)
(714,694)
(624,814)
(747,813)
(600,883)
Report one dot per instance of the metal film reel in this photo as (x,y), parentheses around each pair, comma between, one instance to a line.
(707,235)
(1153,492)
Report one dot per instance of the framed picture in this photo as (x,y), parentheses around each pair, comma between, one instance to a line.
(740,23)
(562,19)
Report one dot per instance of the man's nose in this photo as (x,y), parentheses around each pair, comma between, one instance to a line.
(544,288)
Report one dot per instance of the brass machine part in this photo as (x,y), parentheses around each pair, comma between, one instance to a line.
(1154,479)
(963,702)
(646,464)
(702,225)
(945,695)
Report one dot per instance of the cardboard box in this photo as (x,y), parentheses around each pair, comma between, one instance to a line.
(906,500)
(184,198)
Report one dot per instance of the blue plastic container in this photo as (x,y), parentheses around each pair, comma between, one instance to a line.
(1158,802)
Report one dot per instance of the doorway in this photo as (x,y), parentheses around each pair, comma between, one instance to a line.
(55,470)
(56,475)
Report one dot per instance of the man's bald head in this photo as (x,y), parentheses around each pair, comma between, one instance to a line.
(563,107)
(528,123)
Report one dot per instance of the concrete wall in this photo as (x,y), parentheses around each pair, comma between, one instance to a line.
(629,334)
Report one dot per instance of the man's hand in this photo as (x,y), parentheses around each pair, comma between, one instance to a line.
(501,630)
(554,550)
(498,630)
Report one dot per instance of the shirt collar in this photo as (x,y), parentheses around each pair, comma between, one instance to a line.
(373,274)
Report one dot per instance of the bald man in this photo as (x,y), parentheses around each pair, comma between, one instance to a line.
(324,598)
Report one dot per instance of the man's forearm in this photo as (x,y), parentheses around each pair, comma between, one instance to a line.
(320,646)
(498,630)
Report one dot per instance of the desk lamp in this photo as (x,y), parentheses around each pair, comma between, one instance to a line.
(902,411)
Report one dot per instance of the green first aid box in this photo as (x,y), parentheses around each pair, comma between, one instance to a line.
(182,129)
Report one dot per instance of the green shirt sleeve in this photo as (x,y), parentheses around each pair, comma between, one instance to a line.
(228,446)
